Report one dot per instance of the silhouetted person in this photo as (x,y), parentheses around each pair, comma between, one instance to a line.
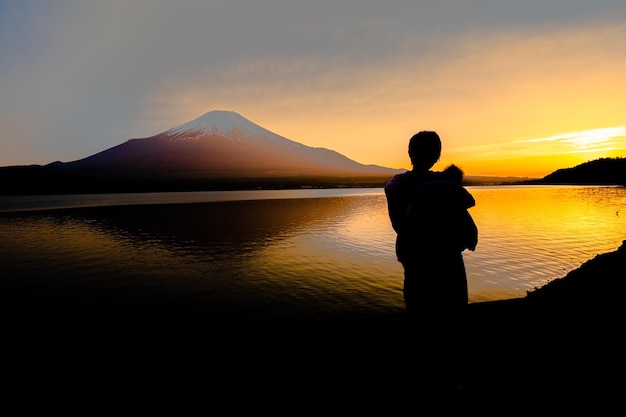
(429,212)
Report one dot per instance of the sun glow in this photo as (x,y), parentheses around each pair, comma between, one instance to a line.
(538,157)
(593,140)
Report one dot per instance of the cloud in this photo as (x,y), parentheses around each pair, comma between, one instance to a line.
(593,140)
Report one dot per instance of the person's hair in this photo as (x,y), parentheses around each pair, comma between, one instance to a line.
(424,149)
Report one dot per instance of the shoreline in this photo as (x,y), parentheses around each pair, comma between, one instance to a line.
(562,342)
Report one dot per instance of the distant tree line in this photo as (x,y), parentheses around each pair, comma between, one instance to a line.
(36,179)
(603,171)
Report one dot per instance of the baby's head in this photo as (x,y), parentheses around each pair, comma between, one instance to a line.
(453,173)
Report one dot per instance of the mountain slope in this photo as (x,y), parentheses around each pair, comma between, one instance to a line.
(220,150)
(224,144)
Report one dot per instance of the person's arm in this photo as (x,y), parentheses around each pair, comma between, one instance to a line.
(447,194)
(397,204)
(471,232)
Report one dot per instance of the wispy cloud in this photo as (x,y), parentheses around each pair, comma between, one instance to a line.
(599,142)
(592,140)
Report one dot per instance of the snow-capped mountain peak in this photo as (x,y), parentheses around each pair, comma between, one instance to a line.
(222,123)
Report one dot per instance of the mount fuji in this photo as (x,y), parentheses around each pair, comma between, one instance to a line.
(218,150)
(225,144)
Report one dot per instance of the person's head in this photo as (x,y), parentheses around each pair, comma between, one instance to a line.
(424,149)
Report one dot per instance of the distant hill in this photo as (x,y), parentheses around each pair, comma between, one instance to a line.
(491,180)
(604,171)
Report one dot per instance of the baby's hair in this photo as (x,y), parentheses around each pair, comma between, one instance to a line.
(453,173)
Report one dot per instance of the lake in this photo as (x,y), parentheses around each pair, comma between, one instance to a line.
(319,252)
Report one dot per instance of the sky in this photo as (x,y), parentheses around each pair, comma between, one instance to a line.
(514,88)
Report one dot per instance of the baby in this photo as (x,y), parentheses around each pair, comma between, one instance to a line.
(453,174)
(442,194)
(444,188)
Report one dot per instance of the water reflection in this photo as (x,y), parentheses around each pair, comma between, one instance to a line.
(531,235)
(247,257)
(312,256)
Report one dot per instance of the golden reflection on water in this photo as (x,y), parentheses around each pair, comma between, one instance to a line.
(322,256)
(269,256)
(531,235)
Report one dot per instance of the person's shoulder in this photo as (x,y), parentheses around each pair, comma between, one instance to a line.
(403,176)
(436,176)
(398,181)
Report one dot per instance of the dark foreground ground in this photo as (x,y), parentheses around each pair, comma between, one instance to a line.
(558,349)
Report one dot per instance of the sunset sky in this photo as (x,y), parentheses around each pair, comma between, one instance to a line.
(517,88)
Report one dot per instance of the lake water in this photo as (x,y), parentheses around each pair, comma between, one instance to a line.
(323,253)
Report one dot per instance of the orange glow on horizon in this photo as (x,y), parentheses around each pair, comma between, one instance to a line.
(500,103)
(540,156)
